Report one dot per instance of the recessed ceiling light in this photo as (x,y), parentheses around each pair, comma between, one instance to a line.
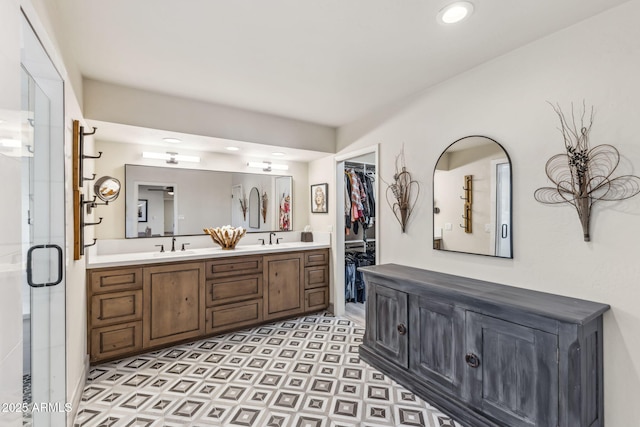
(455,12)
(278,154)
(232,148)
(172,140)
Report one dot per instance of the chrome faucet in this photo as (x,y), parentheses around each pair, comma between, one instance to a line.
(271,234)
(173,244)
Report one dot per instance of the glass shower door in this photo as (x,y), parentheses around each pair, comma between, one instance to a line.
(43,238)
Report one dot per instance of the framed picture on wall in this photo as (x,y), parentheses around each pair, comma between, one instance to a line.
(142,210)
(319,201)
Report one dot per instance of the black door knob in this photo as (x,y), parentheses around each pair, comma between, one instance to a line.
(472,360)
(402,329)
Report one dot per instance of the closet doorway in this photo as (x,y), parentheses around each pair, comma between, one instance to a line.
(357,187)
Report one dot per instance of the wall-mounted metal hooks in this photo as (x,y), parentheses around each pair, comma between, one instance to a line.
(84,156)
(92,244)
(93,223)
(468,198)
(88,133)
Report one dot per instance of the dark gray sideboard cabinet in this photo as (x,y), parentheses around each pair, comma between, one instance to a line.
(487,354)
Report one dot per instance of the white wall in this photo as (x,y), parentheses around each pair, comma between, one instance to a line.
(506,99)
(118,104)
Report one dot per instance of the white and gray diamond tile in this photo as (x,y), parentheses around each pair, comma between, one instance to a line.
(302,372)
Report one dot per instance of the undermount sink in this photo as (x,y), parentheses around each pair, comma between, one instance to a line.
(170,254)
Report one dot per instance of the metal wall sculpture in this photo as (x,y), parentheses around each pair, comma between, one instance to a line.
(399,192)
(583,175)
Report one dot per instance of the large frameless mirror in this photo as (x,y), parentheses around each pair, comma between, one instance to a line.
(166,201)
(472,198)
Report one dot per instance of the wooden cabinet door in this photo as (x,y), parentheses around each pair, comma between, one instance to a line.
(284,285)
(387,330)
(233,316)
(316,299)
(316,277)
(115,279)
(115,307)
(115,341)
(174,303)
(437,341)
(516,377)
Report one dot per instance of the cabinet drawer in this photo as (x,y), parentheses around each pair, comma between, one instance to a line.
(233,316)
(115,280)
(316,299)
(232,289)
(116,340)
(233,266)
(320,257)
(315,277)
(116,307)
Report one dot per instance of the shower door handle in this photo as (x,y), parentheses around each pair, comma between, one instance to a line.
(505,231)
(30,266)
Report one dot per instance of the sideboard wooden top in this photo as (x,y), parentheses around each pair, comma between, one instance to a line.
(566,309)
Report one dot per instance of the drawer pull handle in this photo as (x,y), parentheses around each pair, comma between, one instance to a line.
(402,329)
(472,360)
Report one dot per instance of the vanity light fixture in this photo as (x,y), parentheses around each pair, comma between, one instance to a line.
(455,12)
(268,166)
(171,157)
(172,140)
(231,148)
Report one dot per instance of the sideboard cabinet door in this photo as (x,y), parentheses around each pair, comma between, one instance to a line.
(436,343)
(388,333)
(516,377)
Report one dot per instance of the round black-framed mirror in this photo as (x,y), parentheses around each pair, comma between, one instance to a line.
(107,188)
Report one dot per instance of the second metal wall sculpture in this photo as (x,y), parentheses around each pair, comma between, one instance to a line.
(583,175)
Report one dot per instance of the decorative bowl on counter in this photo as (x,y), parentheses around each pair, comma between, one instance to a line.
(227,237)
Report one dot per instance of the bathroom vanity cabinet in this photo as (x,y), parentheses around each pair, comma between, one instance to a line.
(173,303)
(282,299)
(137,308)
(487,354)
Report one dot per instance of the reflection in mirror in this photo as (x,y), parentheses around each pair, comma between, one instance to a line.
(254,208)
(107,189)
(283,198)
(201,199)
(486,202)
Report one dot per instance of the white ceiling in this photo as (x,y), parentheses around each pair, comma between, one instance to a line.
(324,61)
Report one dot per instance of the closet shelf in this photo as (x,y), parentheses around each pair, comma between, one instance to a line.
(360,241)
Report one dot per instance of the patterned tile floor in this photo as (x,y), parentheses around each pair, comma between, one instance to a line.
(302,372)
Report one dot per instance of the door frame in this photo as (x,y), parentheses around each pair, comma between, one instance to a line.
(338,282)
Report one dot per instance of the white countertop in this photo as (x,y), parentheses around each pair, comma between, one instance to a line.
(136,258)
